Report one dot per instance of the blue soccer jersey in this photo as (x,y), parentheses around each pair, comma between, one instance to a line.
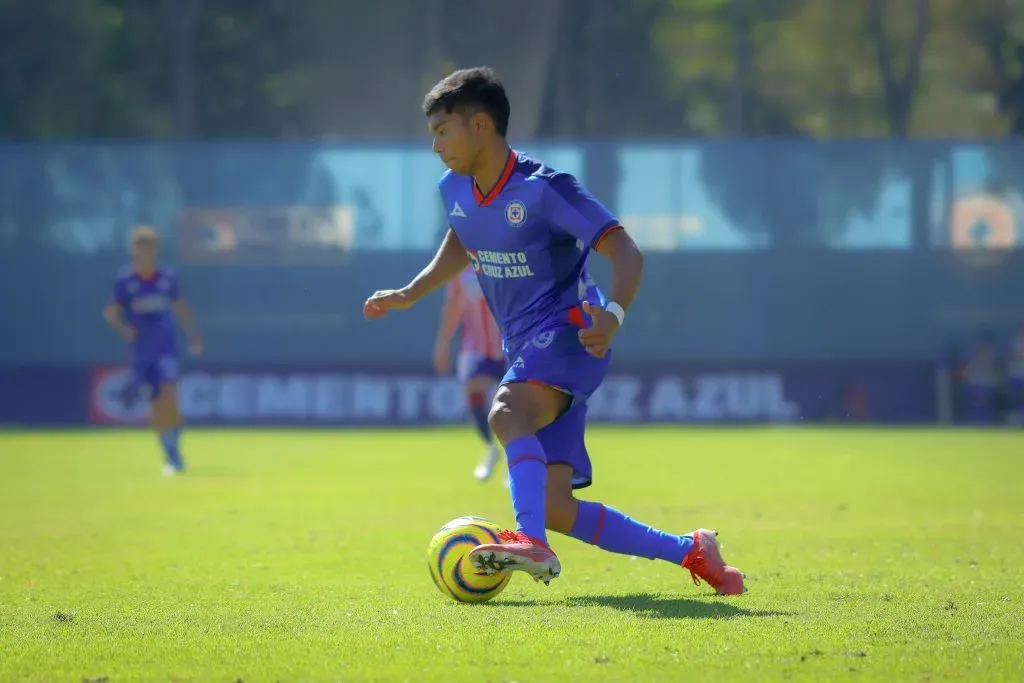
(589,291)
(528,242)
(146,303)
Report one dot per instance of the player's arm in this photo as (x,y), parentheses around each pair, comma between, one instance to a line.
(114,315)
(450,260)
(183,312)
(617,246)
(578,213)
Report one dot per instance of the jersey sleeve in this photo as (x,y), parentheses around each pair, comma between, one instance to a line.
(572,209)
(120,294)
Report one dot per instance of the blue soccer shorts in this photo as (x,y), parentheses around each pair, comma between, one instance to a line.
(556,358)
(152,374)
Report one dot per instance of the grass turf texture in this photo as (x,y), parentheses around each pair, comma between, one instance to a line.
(291,556)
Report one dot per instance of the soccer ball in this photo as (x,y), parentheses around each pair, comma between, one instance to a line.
(452,572)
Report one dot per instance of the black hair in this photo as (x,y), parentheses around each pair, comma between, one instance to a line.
(469,91)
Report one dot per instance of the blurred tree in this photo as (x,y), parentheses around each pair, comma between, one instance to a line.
(712,54)
(899,89)
(59,73)
(255,66)
(271,68)
(997,28)
(182,16)
(607,77)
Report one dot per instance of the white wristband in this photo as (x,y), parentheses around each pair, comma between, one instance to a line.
(618,311)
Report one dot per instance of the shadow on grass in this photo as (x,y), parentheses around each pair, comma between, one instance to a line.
(654,606)
(213,472)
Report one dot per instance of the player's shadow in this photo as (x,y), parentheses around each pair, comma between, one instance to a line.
(648,605)
(656,607)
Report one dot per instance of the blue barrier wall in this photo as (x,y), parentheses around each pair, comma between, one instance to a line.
(756,250)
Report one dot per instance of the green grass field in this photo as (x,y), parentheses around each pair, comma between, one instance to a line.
(299,556)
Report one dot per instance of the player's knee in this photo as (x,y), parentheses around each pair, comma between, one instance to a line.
(165,409)
(523,408)
(560,511)
(509,418)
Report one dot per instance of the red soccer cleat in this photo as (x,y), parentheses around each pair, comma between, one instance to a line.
(705,560)
(517,552)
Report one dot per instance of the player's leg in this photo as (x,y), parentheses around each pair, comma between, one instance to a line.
(479,378)
(548,373)
(166,416)
(148,382)
(520,409)
(478,393)
(478,390)
(569,468)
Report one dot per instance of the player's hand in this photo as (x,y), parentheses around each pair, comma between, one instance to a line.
(597,338)
(128,333)
(442,359)
(195,346)
(378,305)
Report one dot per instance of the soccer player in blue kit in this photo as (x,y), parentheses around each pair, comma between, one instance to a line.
(146,299)
(527,231)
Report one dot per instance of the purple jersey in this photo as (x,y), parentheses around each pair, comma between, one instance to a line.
(146,303)
(590,291)
(528,242)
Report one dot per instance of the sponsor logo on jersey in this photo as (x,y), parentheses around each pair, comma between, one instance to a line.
(506,265)
(150,303)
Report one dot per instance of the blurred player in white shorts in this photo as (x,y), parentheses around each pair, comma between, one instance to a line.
(481,363)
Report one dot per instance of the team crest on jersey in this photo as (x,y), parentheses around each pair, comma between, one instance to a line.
(515,213)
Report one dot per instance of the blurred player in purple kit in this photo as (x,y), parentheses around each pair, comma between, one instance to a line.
(480,364)
(146,299)
(527,231)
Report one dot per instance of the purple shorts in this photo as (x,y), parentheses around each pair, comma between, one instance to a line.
(557,358)
(564,443)
(153,374)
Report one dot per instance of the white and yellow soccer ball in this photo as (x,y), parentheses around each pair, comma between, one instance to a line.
(450,568)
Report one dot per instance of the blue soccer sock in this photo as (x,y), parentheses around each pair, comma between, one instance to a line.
(171,440)
(478,409)
(610,530)
(528,480)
